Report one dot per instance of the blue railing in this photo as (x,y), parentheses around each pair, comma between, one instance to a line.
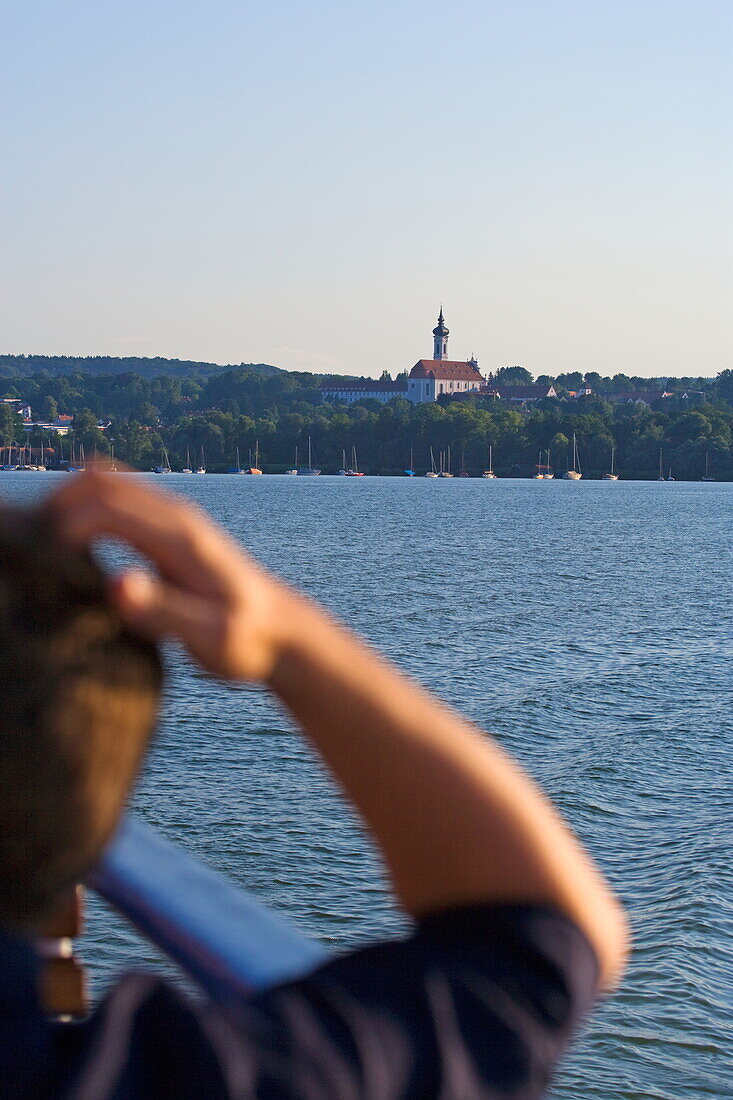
(231,944)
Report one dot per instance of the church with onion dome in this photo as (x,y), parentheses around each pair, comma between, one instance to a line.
(428,380)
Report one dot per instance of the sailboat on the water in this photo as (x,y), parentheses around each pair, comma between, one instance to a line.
(354,470)
(490,472)
(707,475)
(574,473)
(80,466)
(309,470)
(432,472)
(611,476)
(165,466)
(238,468)
(202,468)
(256,468)
(445,464)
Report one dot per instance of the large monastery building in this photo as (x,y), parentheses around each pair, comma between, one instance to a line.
(428,380)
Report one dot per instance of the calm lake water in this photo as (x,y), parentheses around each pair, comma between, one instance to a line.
(588,626)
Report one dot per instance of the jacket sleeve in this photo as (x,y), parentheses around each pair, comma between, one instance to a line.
(479,1002)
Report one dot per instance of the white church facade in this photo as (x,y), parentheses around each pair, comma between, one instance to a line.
(428,380)
(432,378)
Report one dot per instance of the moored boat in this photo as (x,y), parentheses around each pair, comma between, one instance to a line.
(574,474)
(254,469)
(354,470)
(294,471)
(165,466)
(612,476)
(489,474)
(309,470)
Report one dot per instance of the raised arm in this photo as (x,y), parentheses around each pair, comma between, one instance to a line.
(456,819)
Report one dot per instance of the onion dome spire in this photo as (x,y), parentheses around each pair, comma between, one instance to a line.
(440,338)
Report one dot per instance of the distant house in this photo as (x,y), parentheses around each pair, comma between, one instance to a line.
(60,426)
(583,391)
(17,407)
(525,393)
(361,389)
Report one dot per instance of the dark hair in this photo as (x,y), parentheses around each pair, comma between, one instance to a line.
(78,700)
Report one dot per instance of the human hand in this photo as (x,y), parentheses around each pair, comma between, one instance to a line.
(228,612)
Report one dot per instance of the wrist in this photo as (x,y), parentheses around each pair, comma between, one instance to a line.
(295,628)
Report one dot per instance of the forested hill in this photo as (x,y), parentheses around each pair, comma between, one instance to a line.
(25,366)
(690,428)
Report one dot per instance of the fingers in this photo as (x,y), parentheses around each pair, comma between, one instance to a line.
(148,604)
(158,610)
(208,593)
(184,545)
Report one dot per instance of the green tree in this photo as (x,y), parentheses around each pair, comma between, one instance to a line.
(49,408)
(513,376)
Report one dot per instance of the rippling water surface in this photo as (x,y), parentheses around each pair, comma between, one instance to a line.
(588,626)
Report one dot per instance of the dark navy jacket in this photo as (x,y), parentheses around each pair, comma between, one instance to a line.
(479,1002)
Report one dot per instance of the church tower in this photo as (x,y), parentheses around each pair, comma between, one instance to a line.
(440,338)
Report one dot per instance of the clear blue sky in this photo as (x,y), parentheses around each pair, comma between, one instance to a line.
(305,183)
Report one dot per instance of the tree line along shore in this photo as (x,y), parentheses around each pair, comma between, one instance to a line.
(278,411)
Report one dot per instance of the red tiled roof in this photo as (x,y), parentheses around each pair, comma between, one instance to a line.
(452,369)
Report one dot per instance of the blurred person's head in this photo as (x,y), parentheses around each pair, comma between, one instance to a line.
(78,701)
